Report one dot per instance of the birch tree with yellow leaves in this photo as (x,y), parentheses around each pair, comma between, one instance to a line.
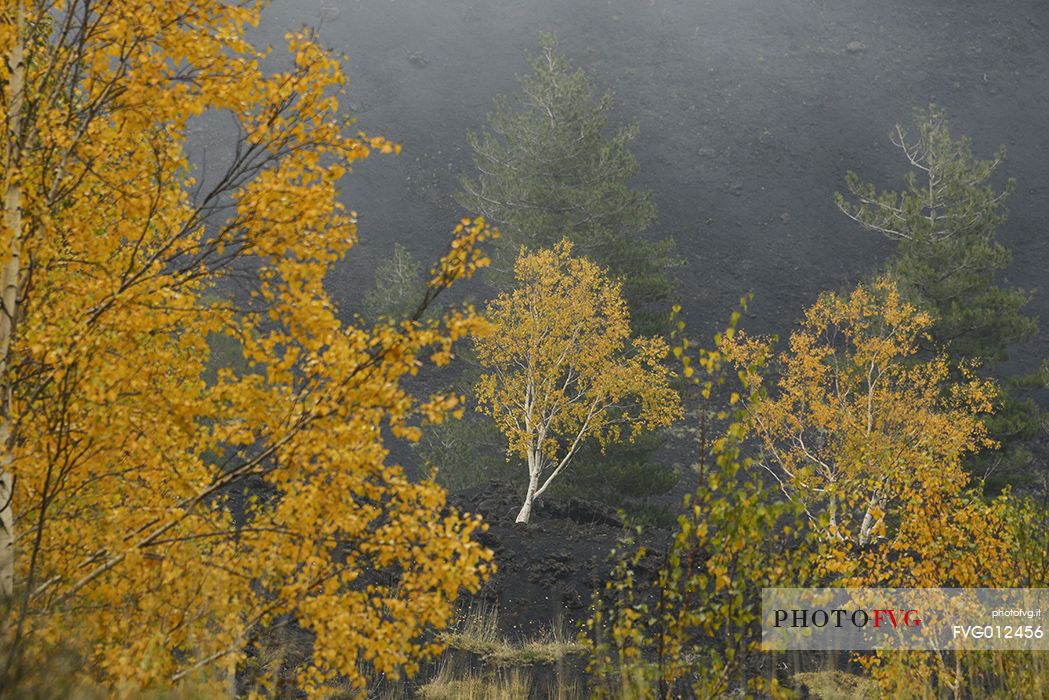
(158,522)
(855,420)
(562,367)
(868,437)
(865,435)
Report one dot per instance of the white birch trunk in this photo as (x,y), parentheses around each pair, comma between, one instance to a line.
(526,509)
(9,288)
(534,464)
(869,522)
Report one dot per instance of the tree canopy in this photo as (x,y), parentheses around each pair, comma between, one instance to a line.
(562,367)
(949,259)
(949,263)
(549,167)
(855,424)
(160,523)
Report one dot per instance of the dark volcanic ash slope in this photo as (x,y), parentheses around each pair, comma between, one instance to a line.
(750,111)
(550,567)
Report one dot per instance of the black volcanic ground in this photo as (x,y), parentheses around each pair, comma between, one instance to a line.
(751,111)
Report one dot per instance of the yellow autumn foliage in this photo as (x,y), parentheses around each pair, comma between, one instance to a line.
(562,368)
(860,429)
(161,523)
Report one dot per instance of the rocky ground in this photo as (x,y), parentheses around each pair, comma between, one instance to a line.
(549,568)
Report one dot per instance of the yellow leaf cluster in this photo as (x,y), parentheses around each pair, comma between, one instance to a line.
(561,364)
(164,521)
(868,437)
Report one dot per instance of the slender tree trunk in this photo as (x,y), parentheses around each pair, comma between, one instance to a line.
(526,509)
(868,519)
(9,289)
(534,465)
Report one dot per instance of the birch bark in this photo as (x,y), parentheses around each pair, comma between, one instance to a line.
(9,292)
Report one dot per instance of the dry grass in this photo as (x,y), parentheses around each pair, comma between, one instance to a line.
(479,635)
(496,668)
(837,685)
(497,684)
(502,685)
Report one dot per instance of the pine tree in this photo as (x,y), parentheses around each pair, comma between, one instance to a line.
(949,261)
(548,168)
(399,287)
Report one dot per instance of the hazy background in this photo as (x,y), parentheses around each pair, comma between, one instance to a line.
(750,112)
